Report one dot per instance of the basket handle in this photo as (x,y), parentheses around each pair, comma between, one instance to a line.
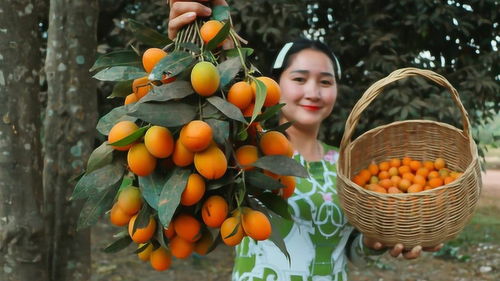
(374,90)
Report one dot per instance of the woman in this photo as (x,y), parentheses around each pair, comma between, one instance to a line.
(319,239)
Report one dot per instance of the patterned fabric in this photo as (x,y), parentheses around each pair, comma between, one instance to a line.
(316,239)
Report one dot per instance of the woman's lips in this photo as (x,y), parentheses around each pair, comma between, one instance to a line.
(311,107)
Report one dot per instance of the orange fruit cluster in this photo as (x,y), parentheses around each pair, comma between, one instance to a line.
(405,175)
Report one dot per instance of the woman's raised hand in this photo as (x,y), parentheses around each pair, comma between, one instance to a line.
(184,12)
(398,249)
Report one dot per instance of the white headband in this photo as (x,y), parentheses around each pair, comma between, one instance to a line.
(278,63)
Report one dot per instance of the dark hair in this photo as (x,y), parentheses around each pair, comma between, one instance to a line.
(297,46)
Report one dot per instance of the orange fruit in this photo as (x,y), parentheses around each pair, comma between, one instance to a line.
(210,29)
(205,78)
(273,92)
(151,57)
(118,217)
(423,171)
(203,245)
(395,180)
(376,188)
(373,168)
(439,163)
(227,227)
(248,112)
(246,155)
(141,235)
(130,200)
(386,183)
(140,161)
(383,175)
(415,188)
(395,162)
(196,135)
(415,165)
(448,180)
(365,174)
(132,98)
(195,188)
(211,163)
(214,211)
(429,165)
(121,130)
(433,174)
(359,180)
(406,161)
(141,87)
(160,259)
(181,248)
(181,156)
(374,179)
(159,141)
(408,176)
(394,190)
(418,179)
(187,227)
(404,184)
(404,169)
(393,171)
(289,183)
(170,231)
(256,225)
(275,143)
(384,166)
(436,182)
(145,254)
(240,94)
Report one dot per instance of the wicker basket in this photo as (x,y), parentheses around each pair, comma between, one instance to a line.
(426,218)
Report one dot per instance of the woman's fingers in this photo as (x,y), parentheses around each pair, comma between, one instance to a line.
(396,250)
(414,253)
(183,13)
(433,249)
(175,24)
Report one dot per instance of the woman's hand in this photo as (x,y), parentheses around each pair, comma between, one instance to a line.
(184,12)
(398,249)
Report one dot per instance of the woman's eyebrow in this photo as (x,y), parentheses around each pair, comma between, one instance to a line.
(307,71)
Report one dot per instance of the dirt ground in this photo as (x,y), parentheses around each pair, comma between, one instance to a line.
(474,256)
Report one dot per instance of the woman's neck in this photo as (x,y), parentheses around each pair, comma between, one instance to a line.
(305,141)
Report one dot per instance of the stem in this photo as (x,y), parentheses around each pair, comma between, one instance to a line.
(239,52)
(200,108)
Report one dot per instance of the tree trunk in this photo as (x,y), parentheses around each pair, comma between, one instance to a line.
(69,131)
(22,254)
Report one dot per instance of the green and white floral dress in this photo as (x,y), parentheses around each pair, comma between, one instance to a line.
(317,239)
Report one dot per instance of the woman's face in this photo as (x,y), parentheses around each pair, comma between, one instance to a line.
(308,88)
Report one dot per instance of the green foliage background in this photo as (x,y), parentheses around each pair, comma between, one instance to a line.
(458,40)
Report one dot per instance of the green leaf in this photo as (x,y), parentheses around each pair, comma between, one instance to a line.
(151,187)
(96,181)
(117,58)
(246,52)
(116,115)
(142,248)
(132,137)
(220,129)
(262,181)
(143,218)
(282,128)
(148,35)
(171,195)
(228,70)
(100,157)
(172,64)
(270,112)
(118,245)
(276,236)
(160,237)
(120,73)
(220,13)
(260,97)
(122,89)
(276,204)
(190,47)
(219,38)
(170,91)
(167,114)
(227,108)
(96,206)
(281,165)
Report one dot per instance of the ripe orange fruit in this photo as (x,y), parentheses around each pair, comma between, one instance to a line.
(141,235)
(395,180)
(160,259)
(365,174)
(395,162)
(196,135)
(187,227)
(275,143)
(415,165)
(384,166)
(289,183)
(386,183)
(394,190)
(240,94)
(433,174)
(418,179)
(159,141)
(359,180)
(406,161)
(439,163)
(145,254)
(121,130)
(393,171)
(227,227)
(248,112)
(436,182)
(404,169)
(181,248)
(140,161)
(415,188)
(195,188)
(141,86)
(273,92)
(423,171)
(256,225)
(203,245)
(210,29)
(404,184)
(214,211)
(373,168)
(376,188)
(246,155)
(429,165)
(170,231)
(118,217)
(205,78)
(151,57)
(408,176)
(383,175)
(374,179)
(132,98)
(130,200)
(448,180)
(211,163)
(181,156)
